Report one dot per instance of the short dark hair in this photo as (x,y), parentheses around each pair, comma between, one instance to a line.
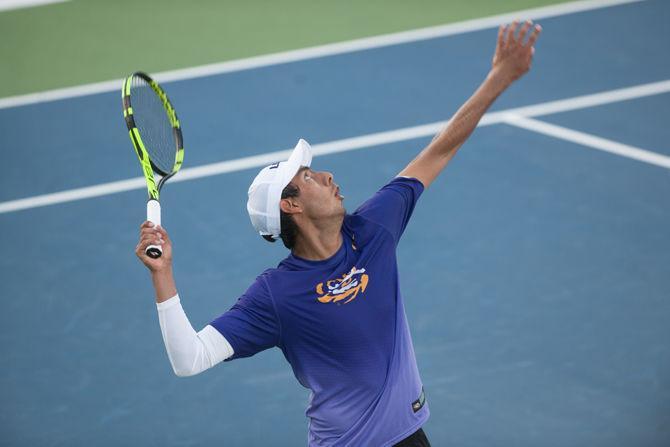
(289,229)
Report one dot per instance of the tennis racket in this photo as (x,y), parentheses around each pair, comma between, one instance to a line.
(156,135)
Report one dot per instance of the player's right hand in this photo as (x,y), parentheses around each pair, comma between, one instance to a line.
(154,235)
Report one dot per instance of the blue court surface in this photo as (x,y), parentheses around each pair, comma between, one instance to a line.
(535,270)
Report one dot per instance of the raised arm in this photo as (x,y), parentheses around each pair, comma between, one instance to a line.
(512,59)
(190,352)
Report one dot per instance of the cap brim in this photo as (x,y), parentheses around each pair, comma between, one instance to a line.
(301,156)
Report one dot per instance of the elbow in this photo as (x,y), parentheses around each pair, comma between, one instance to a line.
(183,371)
(192,358)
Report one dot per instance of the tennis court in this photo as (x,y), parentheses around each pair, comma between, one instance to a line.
(535,270)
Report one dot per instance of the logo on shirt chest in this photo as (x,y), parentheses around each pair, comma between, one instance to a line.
(347,286)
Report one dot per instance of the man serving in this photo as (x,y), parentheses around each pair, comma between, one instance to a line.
(333,306)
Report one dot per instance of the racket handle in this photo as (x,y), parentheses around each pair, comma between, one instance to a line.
(154,216)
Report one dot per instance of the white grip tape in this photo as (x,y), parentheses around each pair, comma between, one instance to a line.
(154,211)
(154,216)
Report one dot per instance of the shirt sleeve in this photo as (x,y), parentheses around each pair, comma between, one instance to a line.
(391,207)
(251,325)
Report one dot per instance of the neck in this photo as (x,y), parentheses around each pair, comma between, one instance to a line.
(317,243)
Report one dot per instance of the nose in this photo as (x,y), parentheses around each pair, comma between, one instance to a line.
(328,177)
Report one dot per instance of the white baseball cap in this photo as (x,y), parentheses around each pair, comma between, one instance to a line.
(265,191)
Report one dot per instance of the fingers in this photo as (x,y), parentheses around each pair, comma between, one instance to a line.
(537,29)
(510,32)
(501,36)
(148,224)
(507,33)
(150,227)
(151,234)
(151,239)
(140,249)
(163,233)
(524,29)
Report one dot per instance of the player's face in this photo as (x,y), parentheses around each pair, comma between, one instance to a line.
(319,195)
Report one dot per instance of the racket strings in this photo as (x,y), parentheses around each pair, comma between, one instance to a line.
(153,124)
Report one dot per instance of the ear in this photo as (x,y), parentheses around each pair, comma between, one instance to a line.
(290,206)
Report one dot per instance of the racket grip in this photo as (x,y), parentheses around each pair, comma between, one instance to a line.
(154,216)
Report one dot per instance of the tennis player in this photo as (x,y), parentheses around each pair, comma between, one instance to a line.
(333,306)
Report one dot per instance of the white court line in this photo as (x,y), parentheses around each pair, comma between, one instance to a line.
(347,144)
(588,140)
(6,5)
(596,99)
(320,51)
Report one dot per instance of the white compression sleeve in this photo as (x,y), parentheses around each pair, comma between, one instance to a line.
(189,352)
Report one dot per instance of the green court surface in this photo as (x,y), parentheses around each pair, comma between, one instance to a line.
(77,42)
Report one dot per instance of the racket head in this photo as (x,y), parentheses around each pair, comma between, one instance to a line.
(154,129)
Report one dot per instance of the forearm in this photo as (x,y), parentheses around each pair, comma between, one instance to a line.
(164,285)
(511,60)
(464,122)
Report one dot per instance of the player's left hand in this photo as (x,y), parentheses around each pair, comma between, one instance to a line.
(514,53)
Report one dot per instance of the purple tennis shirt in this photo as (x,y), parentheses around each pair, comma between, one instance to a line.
(341,325)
